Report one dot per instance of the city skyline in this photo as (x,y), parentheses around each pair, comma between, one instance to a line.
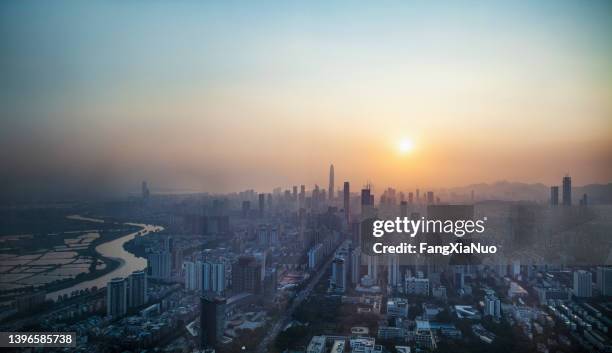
(221,98)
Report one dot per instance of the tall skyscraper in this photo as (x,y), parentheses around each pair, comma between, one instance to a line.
(393,273)
(168,244)
(347,201)
(247,275)
(430,197)
(373,267)
(410,198)
(330,190)
(403,209)
(302,196)
(355,265)
(567,190)
(190,275)
(418,195)
(160,265)
(116,297)
(212,320)
(339,274)
(246,208)
(554,195)
(145,191)
(584,200)
(217,277)
(262,202)
(137,292)
(604,280)
(367,203)
(583,284)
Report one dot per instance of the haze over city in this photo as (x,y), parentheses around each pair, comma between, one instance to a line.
(220,98)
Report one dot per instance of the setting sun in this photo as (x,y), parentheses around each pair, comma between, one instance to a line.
(405,145)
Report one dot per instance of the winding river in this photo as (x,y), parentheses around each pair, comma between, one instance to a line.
(112,249)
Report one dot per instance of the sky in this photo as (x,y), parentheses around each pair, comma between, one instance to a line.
(227,96)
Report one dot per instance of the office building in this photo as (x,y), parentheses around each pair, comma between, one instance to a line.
(145,191)
(212,321)
(346,194)
(330,190)
(338,280)
(355,266)
(430,198)
(567,190)
(247,275)
(262,202)
(403,209)
(417,286)
(393,272)
(554,195)
(367,203)
(397,307)
(372,267)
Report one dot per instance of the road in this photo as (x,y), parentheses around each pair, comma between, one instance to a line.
(299,298)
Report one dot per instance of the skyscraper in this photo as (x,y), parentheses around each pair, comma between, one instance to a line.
(330,190)
(347,201)
(302,196)
(492,306)
(137,293)
(160,265)
(145,191)
(567,190)
(338,274)
(583,284)
(355,265)
(217,277)
(430,197)
(403,209)
(212,320)
(247,275)
(116,297)
(190,275)
(554,195)
(373,267)
(604,280)
(262,202)
(367,203)
(393,273)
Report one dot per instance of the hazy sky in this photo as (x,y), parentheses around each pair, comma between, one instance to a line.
(236,95)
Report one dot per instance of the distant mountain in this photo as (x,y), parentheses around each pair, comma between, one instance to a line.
(596,193)
(515,191)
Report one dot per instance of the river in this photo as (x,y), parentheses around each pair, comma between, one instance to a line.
(112,249)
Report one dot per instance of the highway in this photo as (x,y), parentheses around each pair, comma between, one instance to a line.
(299,298)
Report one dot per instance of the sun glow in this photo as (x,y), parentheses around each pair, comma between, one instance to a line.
(405,146)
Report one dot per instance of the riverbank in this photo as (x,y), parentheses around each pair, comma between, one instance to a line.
(112,251)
